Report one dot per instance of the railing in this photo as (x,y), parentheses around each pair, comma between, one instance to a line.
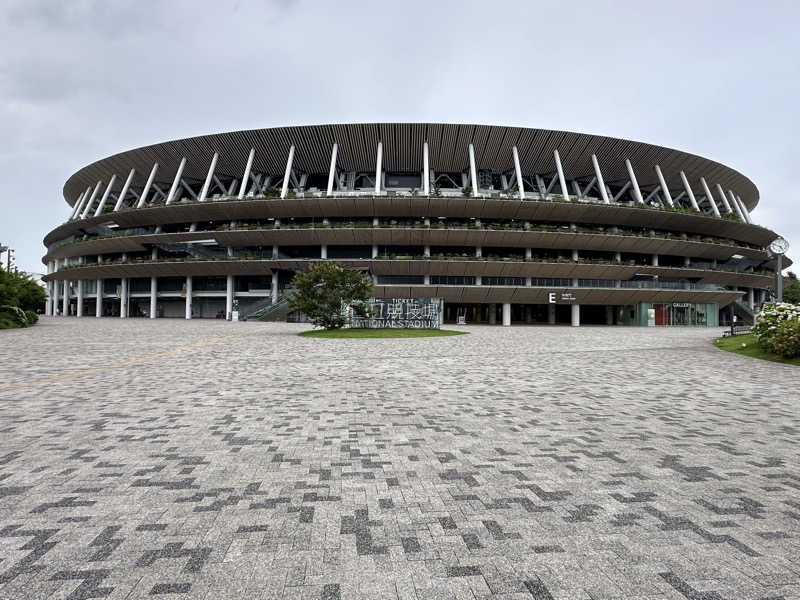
(264,311)
(530,196)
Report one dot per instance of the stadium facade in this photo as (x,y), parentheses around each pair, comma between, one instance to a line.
(507,225)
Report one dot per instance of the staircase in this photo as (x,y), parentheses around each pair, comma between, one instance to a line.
(744,312)
(269,311)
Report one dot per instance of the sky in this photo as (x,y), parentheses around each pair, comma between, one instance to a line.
(84,79)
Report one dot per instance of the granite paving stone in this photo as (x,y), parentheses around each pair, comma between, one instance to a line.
(214,460)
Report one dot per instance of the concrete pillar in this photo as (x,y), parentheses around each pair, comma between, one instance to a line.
(48,304)
(426,172)
(189,297)
(379,169)
(275,251)
(478,251)
(506,314)
(576,315)
(492,314)
(575,256)
(751,300)
(518,172)
(478,280)
(654,261)
(79,308)
(65,300)
(609,315)
(426,250)
(228,296)
(374,250)
(426,280)
(274,286)
(473,172)
(123,299)
(687,260)
(528,253)
(551,314)
(618,256)
(153,296)
(98,306)
(323,251)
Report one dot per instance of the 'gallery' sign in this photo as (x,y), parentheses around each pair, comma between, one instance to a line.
(399,313)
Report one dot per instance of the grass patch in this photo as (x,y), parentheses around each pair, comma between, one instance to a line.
(752,349)
(378,333)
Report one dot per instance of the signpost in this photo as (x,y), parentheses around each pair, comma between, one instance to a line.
(399,313)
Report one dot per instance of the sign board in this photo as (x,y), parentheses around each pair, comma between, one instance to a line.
(651,317)
(399,313)
(561,297)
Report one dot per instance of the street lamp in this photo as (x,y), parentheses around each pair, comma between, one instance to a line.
(778,248)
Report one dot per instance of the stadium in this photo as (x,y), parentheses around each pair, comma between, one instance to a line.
(506,225)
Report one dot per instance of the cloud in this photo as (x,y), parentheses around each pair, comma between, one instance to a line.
(83,79)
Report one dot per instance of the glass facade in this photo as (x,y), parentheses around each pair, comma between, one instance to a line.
(676,314)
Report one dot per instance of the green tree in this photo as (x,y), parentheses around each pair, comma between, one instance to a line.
(791,288)
(322,290)
(18,289)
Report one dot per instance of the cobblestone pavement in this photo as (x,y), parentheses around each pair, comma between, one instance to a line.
(217,460)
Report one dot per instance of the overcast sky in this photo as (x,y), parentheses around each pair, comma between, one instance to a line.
(80,80)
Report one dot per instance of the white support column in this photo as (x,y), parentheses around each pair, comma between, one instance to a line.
(576,315)
(518,171)
(636,191)
(561,180)
(246,176)
(209,176)
(228,297)
(736,206)
(551,314)
(176,182)
(473,172)
(751,300)
(654,260)
(189,297)
(82,205)
(426,171)
(48,302)
(123,298)
(65,299)
(727,206)
(147,186)
(124,190)
(323,251)
(91,200)
(664,187)
(601,185)
(274,287)
(379,169)
(689,191)
(98,305)
(374,250)
(332,171)
(79,306)
(153,296)
(478,251)
(709,197)
(744,210)
(102,204)
(77,205)
(506,314)
(287,175)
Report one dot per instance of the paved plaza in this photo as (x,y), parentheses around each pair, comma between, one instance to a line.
(214,460)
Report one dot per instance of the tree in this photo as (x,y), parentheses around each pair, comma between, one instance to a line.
(325,288)
(18,289)
(791,288)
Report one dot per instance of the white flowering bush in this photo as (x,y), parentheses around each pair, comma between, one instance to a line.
(777,328)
